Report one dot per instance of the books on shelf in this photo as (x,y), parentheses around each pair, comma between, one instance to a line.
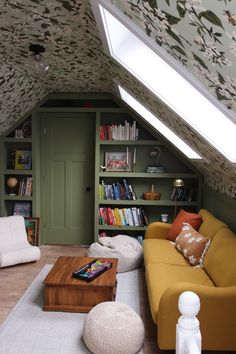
(185,193)
(25,187)
(116,191)
(124,131)
(134,216)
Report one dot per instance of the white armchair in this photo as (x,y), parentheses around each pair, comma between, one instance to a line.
(14,246)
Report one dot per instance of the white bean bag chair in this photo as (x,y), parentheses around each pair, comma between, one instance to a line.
(113,328)
(127,249)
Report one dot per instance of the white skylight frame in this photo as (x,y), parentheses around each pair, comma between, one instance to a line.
(157,124)
(131,44)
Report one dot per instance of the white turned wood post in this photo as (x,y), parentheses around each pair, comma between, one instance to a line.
(188,335)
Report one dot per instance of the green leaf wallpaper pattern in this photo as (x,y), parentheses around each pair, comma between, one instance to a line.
(78,62)
(200,34)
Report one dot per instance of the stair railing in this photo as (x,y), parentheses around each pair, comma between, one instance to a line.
(188,335)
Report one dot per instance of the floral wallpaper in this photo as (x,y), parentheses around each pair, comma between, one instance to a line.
(78,63)
(199,34)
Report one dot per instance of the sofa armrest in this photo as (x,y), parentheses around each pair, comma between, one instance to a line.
(217,316)
(157,230)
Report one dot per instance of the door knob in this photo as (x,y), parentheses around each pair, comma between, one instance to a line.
(88,189)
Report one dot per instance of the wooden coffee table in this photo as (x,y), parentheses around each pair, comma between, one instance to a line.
(62,292)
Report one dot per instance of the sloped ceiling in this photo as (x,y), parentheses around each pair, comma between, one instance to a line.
(200,35)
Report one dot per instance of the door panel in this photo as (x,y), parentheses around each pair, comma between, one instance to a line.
(68,161)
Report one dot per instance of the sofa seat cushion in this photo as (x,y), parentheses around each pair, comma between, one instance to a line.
(160,276)
(220,260)
(162,251)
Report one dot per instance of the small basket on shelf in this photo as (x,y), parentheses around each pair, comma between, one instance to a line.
(151,195)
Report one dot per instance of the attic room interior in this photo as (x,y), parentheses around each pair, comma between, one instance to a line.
(117,134)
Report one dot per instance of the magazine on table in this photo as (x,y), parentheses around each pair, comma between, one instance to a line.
(92,270)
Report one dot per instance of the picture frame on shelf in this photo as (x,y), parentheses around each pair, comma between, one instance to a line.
(32,230)
(22,208)
(118,161)
(23,159)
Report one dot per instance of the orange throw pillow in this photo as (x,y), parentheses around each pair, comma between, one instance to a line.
(192,245)
(193,219)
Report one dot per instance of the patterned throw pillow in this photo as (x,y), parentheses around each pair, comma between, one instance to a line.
(192,244)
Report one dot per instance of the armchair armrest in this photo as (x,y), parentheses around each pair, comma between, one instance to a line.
(217,316)
(157,230)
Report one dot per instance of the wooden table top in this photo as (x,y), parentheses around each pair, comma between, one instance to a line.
(61,273)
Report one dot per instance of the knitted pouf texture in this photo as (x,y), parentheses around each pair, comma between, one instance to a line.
(113,328)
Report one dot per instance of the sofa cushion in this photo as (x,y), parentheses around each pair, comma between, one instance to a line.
(162,251)
(210,224)
(220,260)
(160,276)
(192,244)
(183,216)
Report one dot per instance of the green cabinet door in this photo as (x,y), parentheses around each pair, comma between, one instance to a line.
(68,175)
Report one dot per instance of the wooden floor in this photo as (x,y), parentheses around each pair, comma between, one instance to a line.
(16,279)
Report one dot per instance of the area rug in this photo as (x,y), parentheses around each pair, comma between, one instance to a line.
(29,330)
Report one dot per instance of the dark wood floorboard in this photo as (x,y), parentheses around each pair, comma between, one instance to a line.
(16,279)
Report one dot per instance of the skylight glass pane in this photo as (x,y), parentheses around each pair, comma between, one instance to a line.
(157,124)
(170,86)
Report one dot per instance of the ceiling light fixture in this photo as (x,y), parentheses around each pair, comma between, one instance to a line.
(39,63)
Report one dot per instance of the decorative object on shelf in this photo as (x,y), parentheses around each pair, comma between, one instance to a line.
(154,168)
(117,161)
(23,159)
(11,160)
(103,168)
(32,230)
(19,133)
(26,129)
(164,217)
(37,60)
(151,195)
(12,183)
(178,183)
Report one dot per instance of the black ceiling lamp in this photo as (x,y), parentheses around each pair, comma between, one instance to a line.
(39,63)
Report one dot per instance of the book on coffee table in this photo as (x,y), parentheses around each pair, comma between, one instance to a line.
(92,270)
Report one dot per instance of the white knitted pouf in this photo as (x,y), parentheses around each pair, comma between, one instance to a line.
(113,328)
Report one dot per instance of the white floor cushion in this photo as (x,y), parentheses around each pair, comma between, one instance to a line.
(113,328)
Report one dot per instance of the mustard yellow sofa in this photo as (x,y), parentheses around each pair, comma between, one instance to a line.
(168,274)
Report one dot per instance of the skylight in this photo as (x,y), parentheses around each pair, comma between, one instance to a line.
(157,124)
(172,88)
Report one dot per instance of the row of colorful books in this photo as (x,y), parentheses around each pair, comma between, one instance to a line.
(116,191)
(135,216)
(25,187)
(119,132)
(185,193)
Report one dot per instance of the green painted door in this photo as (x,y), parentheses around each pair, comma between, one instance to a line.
(68,175)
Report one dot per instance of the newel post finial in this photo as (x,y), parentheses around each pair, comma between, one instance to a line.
(188,336)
